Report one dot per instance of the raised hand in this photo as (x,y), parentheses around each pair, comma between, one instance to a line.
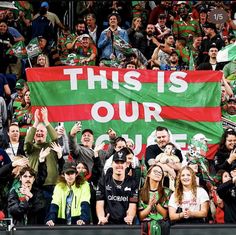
(20,162)
(57,148)
(75,129)
(26,192)
(43,154)
(44,113)
(98,148)
(61,130)
(36,118)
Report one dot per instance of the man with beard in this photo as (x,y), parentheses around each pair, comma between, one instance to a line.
(117,193)
(152,151)
(162,139)
(25,202)
(230,110)
(186,27)
(35,143)
(212,53)
(85,51)
(165,7)
(150,42)
(80,29)
(173,64)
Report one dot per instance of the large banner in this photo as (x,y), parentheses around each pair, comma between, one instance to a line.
(132,102)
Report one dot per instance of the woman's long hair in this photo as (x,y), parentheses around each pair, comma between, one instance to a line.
(179,186)
(227,132)
(144,191)
(79,180)
(23,103)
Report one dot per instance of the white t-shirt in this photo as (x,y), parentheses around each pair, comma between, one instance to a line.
(193,204)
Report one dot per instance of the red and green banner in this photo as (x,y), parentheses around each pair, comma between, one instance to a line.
(132,102)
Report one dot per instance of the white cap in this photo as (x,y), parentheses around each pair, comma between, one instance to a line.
(85,35)
(180,2)
(201,137)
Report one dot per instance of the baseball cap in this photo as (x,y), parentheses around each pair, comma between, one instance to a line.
(20,84)
(162,16)
(209,25)
(203,9)
(181,2)
(85,35)
(119,156)
(200,137)
(87,130)
(69,167)
(45,4)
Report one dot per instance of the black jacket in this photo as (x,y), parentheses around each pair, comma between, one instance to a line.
(227,192)
(31,212)
(220,160)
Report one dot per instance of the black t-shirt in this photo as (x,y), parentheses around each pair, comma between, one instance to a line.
(117,196)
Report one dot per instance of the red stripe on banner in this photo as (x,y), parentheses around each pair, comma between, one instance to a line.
(64,73)
(84,112)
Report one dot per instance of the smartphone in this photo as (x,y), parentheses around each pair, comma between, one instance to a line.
(61,124)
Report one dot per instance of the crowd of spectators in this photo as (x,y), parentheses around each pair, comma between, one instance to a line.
(63,182)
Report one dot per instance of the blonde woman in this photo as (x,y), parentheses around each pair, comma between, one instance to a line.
(189,203)
(42,61)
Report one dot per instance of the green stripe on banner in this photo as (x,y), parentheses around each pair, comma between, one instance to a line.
(133,103)
(55,93)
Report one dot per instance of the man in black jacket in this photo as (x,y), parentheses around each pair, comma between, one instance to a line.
(211,37)
(26,202)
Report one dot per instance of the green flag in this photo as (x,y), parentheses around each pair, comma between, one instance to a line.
(18,50)
(227,53)
(122,46)
(33,48)
(191,61)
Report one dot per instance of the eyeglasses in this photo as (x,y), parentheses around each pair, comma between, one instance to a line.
(157,172)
